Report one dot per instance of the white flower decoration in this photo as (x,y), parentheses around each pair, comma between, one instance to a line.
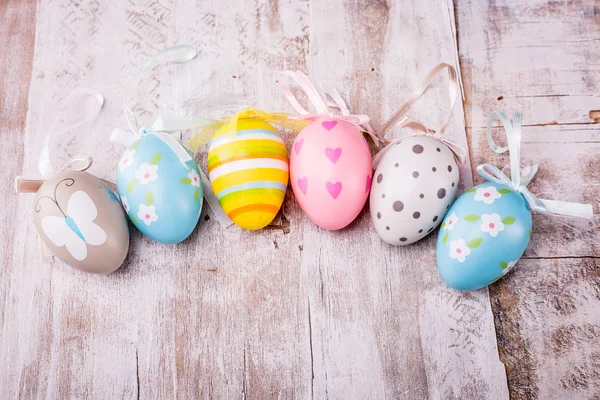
(125,203)
(147,214)
(194,177)
(487,194)
(146,173)
(459,250)
(509,267)
(451,222)
(126,160)
(492,224)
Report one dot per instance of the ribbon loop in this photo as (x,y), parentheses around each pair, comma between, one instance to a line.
(309,89)
(44,163)
(164,127)
(78,163)
(179,54)
(322,106)
(400,119)
(518,181)
(397,116)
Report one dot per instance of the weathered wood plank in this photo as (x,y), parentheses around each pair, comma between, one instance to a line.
(549,328)
(538,58)
(369,292)
(289,312)
(16,41)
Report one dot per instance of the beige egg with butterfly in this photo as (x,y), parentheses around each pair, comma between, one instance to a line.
(80,220)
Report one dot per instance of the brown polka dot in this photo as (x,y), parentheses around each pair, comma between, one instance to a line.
(435,218)
(441,193)
(398,206)
(378,215)
(403,239)
(383,196)
(396,165)
(421,195)
(434,169)
(416,215)
(387,228)
(452,184)
(417,149)
(438,149)
(415,174)
(420,230)
(379,178)
(449,168)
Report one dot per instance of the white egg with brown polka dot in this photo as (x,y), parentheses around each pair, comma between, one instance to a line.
(414,185)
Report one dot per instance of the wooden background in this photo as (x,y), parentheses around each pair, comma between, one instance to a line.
(294,311)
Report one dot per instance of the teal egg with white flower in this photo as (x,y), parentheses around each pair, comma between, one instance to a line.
(160,191)
(483,235)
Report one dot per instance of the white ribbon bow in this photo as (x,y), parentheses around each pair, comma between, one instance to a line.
(399,119)
(162,127)
(518,182)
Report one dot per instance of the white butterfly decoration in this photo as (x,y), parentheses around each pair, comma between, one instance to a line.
(76,229)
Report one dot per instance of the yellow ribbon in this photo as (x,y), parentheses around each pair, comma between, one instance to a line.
(281,119)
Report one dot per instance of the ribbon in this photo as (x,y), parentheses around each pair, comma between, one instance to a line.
(284,120)
(517,181)
(399,119)
(44,163)
(322,106)
(78,163)
(164,127)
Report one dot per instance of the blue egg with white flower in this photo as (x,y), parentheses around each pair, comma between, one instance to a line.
(483,235)
(160,188)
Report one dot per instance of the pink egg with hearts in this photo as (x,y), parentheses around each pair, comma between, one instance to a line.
(331,171)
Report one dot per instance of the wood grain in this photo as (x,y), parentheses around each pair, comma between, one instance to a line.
(16,42)
(538,58)
(294,311)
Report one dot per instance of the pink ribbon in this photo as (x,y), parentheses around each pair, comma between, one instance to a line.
(401,120)
(322,106)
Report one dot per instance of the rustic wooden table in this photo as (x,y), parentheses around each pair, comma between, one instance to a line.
(294,311)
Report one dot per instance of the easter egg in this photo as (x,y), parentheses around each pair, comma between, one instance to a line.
(248,172)
(484,234)
(80,220)
(413,187)
(331,170)
(161,195)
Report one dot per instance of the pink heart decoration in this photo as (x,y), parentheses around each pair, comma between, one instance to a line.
(298,145)
(303,184)
(329,125)
(334,189)
(333,154)
(368,185)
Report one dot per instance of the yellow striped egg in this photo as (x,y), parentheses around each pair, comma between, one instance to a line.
(249,172)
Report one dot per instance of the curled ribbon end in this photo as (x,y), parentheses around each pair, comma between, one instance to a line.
(576,210)
(78,163)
